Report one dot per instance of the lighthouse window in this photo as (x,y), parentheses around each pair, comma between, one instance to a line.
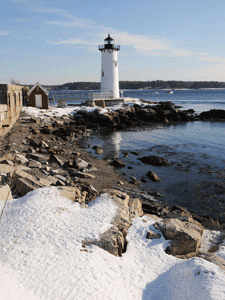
(115,62)
(102,74)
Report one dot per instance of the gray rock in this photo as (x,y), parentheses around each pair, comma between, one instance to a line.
(154,160)
(5,168)
(185,235)
(5,193)
(153,176)
(44,172)
(34,164)
(42,158)
(23,186)
(217,260)
(134,180)
(4,177)
(7,162)
(135,208)
(74,194)
(117,163)
(153,235)
(80,164)
(20,159)
(43,144)
(98,150)
(55,158)
(114,239)
(81,174)
(62,178)
(25,182)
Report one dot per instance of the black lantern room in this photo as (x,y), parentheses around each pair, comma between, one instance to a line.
(109,44)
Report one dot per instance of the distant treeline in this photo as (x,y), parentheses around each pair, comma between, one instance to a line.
(156,84)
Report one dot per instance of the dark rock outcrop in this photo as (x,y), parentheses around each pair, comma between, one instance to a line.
(130,116)
(154,160)
(213,114)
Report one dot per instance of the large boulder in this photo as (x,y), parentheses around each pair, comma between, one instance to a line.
(25,182)
(114,239)
(23,186)
(154,160)
(183,232)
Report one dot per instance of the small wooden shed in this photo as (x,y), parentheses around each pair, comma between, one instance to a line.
(37,96)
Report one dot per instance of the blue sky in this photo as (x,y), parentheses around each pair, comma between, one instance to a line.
(54,42)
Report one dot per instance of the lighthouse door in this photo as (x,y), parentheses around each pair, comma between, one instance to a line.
(38,100)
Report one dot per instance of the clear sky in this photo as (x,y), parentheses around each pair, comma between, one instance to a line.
(56,41)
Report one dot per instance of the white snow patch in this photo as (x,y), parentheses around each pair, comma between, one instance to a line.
(209,238)
(193,279)
(59,112)
(42,256)
(51,112)
(221,251)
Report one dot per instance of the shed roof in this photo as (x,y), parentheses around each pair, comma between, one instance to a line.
(33,87)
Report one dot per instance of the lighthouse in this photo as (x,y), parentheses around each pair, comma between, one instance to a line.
(109,67)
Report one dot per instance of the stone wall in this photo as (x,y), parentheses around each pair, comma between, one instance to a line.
(11,101)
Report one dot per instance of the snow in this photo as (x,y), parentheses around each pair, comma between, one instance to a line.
(42,256)
(59,112)
(51,112)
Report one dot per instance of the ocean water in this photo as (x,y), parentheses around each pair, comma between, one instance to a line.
(195,178)
(208,137)
(205,137)
(198,99)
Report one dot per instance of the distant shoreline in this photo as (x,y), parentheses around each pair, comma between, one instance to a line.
(137,85)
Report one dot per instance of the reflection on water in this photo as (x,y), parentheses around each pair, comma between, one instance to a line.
(111,145)
(202,137)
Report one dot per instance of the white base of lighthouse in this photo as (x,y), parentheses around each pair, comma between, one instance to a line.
(109,68)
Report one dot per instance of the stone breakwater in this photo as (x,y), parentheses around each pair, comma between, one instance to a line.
(135,115)
(41,153)
(144,114)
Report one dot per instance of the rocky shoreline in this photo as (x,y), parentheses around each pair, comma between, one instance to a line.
(46,152)
(134,115)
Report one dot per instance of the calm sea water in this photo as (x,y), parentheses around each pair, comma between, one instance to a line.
(200,99)
(195,178)
(205,137)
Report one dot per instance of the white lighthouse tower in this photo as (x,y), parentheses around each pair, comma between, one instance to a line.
(109,67)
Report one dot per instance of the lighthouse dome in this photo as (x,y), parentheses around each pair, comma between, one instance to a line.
(108,44)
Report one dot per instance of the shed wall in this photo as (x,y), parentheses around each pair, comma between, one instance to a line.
(31,98)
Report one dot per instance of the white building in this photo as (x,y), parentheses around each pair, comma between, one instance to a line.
(109,68)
